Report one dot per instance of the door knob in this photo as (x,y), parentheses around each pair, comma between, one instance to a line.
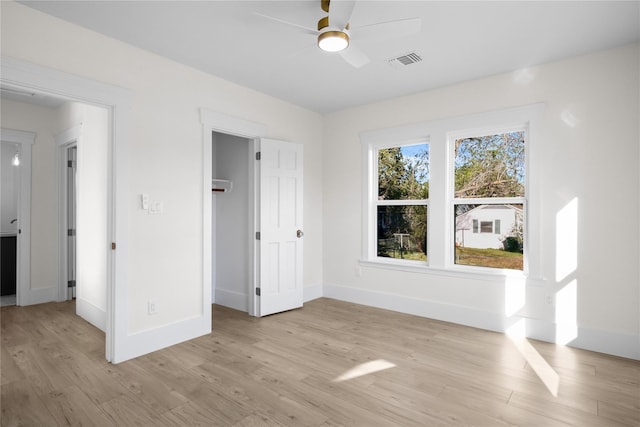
(299,233)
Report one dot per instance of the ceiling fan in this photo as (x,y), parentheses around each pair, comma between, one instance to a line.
(334,34)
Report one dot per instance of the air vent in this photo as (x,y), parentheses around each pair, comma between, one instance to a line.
(404,60)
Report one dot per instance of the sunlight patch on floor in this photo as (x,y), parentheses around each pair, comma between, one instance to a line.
(545,372)
(365,369)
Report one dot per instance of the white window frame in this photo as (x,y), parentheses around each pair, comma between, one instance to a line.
(441,236)
(373,203)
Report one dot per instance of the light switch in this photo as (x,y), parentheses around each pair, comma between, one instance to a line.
(155,207)
(144,201)
(152,307)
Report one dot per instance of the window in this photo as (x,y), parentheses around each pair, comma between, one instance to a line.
(486,227)
(489,198)
(402,201)
(453,196)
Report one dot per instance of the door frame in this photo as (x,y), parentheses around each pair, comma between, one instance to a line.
(64,140)
(40,79)
(23,250)
(221,123)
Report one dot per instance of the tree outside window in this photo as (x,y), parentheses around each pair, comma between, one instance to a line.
(403,193)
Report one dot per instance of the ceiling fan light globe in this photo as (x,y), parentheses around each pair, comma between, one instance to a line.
(333,41)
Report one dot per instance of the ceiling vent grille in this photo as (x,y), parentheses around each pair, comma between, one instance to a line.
(404,60)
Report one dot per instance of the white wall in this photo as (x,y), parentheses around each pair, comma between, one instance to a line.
(43,122)
(165,159)
(232,252)
(589,152)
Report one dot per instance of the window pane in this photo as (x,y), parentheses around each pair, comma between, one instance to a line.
(490,166)
(403,172)
(488,249)
(402,232)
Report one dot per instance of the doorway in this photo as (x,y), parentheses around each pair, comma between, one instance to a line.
(256,223)
(36,79)
(231,194)
(16,214)
(9,168)
(71,203)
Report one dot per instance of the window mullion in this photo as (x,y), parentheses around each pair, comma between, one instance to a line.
(418,202)
(489,200)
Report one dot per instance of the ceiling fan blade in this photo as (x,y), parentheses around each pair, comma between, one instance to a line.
(302,28)
(355,57)
(340,13)
(387,30)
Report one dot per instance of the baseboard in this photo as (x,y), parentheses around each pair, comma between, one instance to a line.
(232,299)
(145,342)
(239,301)
(92,314)
(39,296)
(616,344)
(419,307)
(311,292)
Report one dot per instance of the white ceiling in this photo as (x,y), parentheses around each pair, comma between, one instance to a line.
(458,41)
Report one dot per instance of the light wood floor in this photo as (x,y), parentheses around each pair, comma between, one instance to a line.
(285,370)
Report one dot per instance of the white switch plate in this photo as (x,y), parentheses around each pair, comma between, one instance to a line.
(152,307)
(144,201)
(155,207)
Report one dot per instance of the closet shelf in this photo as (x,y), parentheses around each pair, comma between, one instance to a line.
(221,185)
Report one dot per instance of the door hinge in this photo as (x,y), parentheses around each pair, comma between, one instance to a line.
(71,232)
(71,284)
(70,164)
(257,235)
(113,246)
(258,291)
(258,155)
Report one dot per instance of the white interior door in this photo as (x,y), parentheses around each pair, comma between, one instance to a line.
(280,227)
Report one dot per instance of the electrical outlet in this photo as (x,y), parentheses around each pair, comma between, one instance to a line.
(152,307)
(549,300)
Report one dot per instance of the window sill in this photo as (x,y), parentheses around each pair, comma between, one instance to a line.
(457,271)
